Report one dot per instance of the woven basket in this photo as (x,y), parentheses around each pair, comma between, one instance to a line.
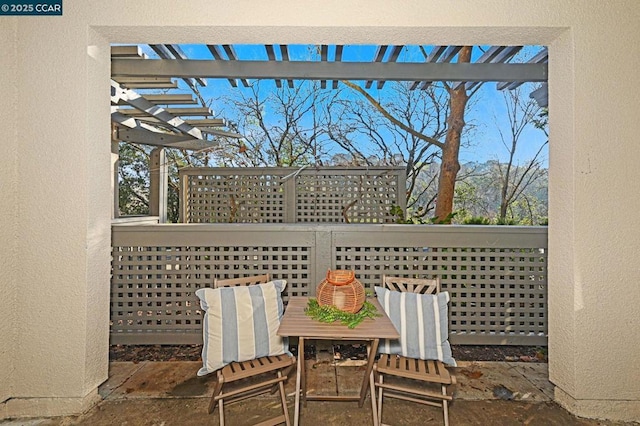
(342,290)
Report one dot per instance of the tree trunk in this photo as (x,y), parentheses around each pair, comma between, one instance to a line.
(450,166)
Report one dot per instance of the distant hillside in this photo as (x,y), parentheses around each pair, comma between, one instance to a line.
(478,194)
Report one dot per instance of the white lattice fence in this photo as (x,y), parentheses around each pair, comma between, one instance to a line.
(286,195)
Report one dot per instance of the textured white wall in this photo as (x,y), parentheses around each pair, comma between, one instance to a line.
(100,211)
(61,254)
(62,248)
(597,212)
(8,208)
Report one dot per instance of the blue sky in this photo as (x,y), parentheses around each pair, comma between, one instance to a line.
(486,113)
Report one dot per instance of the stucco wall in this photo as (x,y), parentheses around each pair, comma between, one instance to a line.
(61,255)
(8,210)
(63,232)
(605,235)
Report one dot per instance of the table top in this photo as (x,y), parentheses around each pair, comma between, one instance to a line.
(296,323)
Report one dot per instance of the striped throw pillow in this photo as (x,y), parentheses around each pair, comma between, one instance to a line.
(421,320)
(240,324)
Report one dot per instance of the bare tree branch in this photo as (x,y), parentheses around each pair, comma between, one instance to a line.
(389,117)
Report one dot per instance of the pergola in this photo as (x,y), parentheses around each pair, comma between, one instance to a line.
(163,119)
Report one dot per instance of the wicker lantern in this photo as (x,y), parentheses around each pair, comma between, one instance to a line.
(342,290)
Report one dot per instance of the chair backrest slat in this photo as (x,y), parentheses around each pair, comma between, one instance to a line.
(412,285)
(231,282)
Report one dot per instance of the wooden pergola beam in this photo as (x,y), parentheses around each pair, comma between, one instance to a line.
(292,70)
(147,137)
(179,112)
(120,94)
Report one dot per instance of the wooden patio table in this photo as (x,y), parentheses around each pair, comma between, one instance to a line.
(295,323)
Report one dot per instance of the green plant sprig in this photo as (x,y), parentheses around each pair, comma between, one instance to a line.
(330,313)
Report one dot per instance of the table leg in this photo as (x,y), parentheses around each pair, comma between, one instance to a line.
(371,355)
(304,375)
(299,373)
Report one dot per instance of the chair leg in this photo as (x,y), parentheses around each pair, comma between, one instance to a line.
(283,400)
(445,406)
(380,397)
(281,373)
(221,409)
(216,392)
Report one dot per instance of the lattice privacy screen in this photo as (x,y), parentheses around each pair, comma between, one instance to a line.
(496,276)
(498,295)
(153,288)
(287,195)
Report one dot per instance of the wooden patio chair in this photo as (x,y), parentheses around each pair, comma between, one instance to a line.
(241,380)
(424,381)
(232,282)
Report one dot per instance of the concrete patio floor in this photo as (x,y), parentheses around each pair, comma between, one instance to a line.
(170,393)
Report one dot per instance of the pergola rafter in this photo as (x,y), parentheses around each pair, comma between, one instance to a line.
(133,99)
(133,69)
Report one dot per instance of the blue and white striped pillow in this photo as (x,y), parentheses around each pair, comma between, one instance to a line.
(421,320)
(240,324)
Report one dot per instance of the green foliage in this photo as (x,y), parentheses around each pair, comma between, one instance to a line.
(467,196)
(478,195)
(329,313)
(447,220)
(506,221)
(541,121)
(398,213)
(414,220)
(477,220)
(133,176)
